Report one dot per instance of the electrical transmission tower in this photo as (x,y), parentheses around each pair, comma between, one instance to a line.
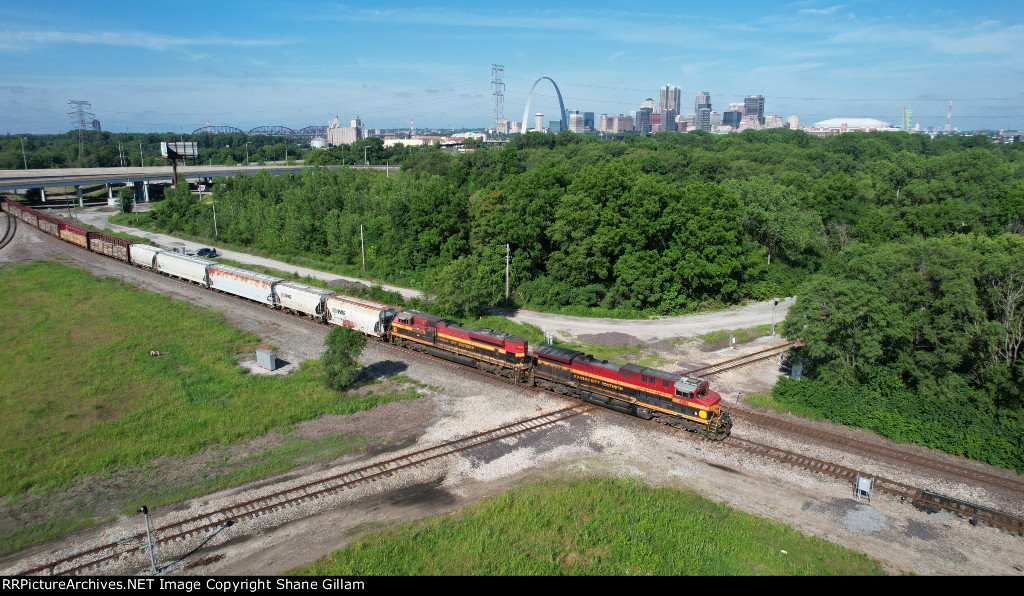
(499,97)
(949,118)
(80,118)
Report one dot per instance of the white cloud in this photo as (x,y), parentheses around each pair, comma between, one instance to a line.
(32,40)
(821,11)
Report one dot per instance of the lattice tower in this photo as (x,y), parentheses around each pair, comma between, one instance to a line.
(499,93)
(80,119)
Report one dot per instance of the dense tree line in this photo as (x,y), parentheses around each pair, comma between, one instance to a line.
(905,251)
(658,225)
(107,149)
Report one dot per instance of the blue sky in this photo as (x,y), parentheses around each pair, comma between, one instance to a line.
(171,66)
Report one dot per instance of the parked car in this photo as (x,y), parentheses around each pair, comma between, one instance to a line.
(206,252)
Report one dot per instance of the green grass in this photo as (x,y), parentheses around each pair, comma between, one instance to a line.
(80,393)
(593,527)
(716,340)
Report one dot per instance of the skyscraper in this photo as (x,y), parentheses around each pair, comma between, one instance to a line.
(668,120)
(669,98)
(702,111)
(643,120)
(588,122)
(732,118)
(753,106)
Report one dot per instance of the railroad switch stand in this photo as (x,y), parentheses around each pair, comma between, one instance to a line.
(862,486)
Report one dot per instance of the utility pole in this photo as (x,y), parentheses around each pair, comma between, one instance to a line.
(362,248)
(508,252)
(214,205)
(23,152)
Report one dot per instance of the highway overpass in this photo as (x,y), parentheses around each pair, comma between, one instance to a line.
(25,179)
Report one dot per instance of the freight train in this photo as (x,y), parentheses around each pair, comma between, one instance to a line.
(677,400)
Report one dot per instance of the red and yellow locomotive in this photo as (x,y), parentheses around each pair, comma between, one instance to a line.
(670,398)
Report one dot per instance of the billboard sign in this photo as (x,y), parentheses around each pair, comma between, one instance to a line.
(179,150)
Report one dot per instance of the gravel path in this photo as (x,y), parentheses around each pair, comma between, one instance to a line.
(760,313)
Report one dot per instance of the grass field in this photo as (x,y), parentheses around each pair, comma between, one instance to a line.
(593,527)
(81,395)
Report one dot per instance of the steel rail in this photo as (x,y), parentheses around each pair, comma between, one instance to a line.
(12,228)
(965,473)
(740,361)
(197,525)
(921,498)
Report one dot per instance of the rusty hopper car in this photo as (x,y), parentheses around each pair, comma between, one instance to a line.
(74,235)
(111,246)
(294,297)
(29,216)
(48,224)
(370,317)
(243,283)
(144,255)
(670,398)
(187,267)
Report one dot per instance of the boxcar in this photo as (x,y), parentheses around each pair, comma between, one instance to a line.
(241,282)
(111,246)
(74,235)
(144,255)
(308,300)
(368,316)
(183,266)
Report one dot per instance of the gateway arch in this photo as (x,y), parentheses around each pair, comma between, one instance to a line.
(561,106)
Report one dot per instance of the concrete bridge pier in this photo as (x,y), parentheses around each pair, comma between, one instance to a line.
(81,201)
(145,187)
(42,193)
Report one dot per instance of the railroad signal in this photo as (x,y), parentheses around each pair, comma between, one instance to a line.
(149,539)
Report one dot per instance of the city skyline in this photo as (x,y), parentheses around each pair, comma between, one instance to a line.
(163,68)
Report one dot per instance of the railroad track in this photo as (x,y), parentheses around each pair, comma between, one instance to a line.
(923,499)
(720,367)
(12,227)
(964,473)
(203,525)
(200,526)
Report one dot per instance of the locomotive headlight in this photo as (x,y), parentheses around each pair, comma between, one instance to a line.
(703,414)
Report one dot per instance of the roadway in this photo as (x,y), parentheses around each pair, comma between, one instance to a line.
(23,179)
